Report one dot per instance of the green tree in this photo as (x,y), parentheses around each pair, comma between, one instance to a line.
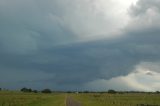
(35,91)
(46,91)
(157,92)
(26,90)
(112,91)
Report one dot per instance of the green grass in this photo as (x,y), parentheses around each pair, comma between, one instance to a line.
(95,99)
(8,98)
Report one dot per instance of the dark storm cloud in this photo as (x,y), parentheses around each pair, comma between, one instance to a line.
(26,25)
(37,49)
(81,63)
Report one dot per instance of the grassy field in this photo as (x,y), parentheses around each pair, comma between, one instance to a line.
(95,99)
(8,98)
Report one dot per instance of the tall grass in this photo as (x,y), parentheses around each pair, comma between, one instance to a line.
(8,98)
(95,99)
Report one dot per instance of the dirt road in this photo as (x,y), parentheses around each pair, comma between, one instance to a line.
(71,102)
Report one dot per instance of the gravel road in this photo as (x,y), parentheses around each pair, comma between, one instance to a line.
(71,102)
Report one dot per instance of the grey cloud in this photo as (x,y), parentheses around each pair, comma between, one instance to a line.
(144,15)
(76,64)
(141,78)
(25,26)
(38,41)
(142,6)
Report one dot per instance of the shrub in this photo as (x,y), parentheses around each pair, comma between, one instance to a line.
(112,91)
(26,90)
(35,91)
(46,91)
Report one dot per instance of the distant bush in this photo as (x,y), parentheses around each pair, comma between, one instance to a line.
(0,89)
(69,91)
(26,90)
(35,91)
(86,92)
(158,92)
(112,91)
(46,91)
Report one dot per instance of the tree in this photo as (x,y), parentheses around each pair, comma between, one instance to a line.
(112,91)
(0,89)
(26,90)
(157,92)
(35,91)
(86,92)
(46,91)
(29,90)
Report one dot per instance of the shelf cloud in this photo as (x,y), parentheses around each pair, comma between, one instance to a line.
(80,44)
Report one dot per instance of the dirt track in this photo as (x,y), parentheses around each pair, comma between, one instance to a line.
(71,102)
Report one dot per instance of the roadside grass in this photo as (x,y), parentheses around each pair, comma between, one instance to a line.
(9,98)
(131,99)
(13,98)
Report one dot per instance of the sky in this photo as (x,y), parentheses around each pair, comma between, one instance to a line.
(80,44)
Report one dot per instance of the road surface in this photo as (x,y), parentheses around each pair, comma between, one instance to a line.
(71,102)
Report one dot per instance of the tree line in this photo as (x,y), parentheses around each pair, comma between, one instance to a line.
(111,91)
(35,91)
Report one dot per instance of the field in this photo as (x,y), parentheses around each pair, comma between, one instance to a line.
(8,98)
(141,99)
(31,99)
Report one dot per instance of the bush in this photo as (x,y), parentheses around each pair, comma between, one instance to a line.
(26,90)
(46,91)
(112,91)
(86,92)
(35,91)
(158,92)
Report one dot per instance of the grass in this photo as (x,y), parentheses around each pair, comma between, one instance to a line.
(8,98)
(95,99)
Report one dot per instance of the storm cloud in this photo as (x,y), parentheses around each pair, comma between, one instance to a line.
(80,44)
